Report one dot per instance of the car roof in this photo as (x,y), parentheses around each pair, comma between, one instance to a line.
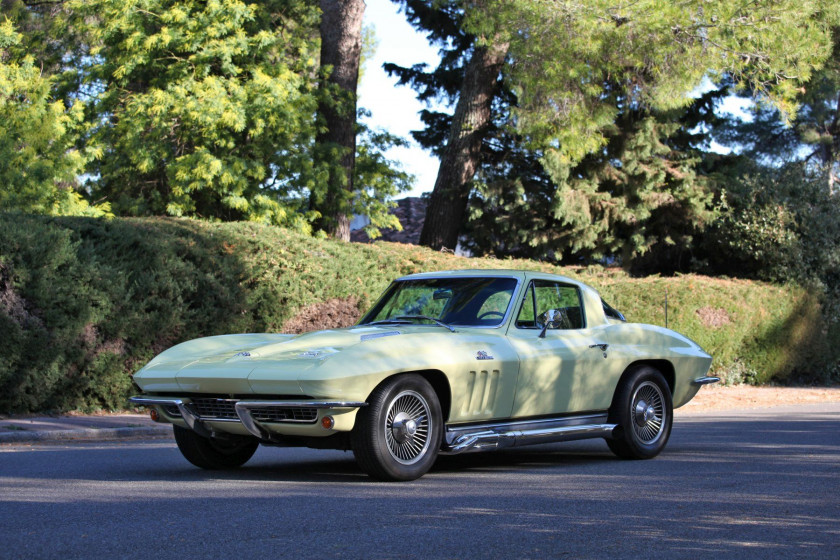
(493,272)
(591,297)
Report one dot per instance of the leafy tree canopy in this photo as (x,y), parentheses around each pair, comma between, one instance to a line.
(204,108)
(39,163)
(566,56)
(595,146)
(188,108)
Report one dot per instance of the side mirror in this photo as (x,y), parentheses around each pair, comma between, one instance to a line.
(551,319)
(442,293)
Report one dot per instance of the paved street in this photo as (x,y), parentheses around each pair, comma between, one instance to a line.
(752,484)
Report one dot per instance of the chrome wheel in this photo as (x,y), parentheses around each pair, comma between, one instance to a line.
(398,435)
(642,411)
(407,427)
(648,412)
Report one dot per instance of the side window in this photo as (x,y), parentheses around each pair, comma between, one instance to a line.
(527,319)
(543,295)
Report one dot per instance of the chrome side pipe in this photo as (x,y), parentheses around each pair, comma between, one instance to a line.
(500,440)
(533,432)
(705,380)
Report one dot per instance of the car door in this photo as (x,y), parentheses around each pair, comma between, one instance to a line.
(563,371)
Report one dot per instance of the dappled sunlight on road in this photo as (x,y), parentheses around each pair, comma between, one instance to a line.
(748,485)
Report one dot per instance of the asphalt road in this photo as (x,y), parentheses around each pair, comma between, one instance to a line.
(729,485)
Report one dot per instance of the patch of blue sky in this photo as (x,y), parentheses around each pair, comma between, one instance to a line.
(395,108)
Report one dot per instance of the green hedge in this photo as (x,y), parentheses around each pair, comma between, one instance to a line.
(85,302)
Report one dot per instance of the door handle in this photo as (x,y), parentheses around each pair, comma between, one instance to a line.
(600,345)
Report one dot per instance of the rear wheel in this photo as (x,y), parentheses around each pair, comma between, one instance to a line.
(643,411)
(397,436)
(214,454)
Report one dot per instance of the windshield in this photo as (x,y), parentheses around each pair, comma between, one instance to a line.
(468,302)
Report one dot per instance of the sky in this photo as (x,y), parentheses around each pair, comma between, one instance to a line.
(394,107)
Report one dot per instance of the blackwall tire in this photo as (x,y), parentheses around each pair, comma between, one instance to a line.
(643,411)
(214,454)
(398,435)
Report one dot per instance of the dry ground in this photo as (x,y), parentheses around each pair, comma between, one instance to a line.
(716,397)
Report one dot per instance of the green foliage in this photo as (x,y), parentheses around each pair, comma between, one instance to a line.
(780,225)
(814,137)
(566,57)
(580,71)
(84,302)
(39,162)
(205,108)
(763,332)
(182,108)
(594,150)
(639,191)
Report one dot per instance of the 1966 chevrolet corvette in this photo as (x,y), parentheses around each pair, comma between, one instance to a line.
(444,362)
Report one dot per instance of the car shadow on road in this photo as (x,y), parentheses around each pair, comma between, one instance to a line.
(345,469)
(550,455)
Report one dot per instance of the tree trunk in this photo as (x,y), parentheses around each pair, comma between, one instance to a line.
(448,203)
(341,47)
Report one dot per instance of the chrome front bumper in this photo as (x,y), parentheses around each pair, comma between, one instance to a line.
(244,409)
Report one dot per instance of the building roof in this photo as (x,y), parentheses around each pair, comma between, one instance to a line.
(411,212)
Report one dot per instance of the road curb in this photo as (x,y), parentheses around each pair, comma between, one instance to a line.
(86,434)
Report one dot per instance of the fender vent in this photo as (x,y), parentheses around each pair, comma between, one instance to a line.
(481,388)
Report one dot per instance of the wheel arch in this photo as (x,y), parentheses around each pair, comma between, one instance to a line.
(439,382)
(664,367)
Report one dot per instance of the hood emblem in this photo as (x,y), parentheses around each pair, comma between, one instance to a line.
(242,355)
(483,355)
(318,353)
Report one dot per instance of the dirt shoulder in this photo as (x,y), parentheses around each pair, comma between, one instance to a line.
(715,397)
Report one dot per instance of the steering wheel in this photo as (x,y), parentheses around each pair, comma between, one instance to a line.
(486,313)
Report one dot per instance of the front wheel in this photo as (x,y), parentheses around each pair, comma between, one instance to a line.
(214,454)
(643,411)
(397,436)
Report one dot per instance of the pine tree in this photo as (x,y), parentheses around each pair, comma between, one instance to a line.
(577,69)
(814,136)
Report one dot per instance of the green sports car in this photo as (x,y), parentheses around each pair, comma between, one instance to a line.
(444,362)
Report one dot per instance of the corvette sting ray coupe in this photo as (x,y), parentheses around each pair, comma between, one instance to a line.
(444,362)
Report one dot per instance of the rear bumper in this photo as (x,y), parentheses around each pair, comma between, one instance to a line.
(259,418)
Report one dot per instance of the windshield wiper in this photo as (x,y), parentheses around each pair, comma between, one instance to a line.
(404,319)
(427,318)
(387,321)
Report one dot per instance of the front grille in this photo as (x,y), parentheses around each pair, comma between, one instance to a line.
(215,409)
(283,414)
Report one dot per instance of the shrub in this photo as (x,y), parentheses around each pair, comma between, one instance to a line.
(85,302)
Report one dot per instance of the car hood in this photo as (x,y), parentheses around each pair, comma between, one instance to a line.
(225,364)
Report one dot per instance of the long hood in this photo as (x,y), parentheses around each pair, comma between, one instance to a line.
(227,364)
(334,363)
